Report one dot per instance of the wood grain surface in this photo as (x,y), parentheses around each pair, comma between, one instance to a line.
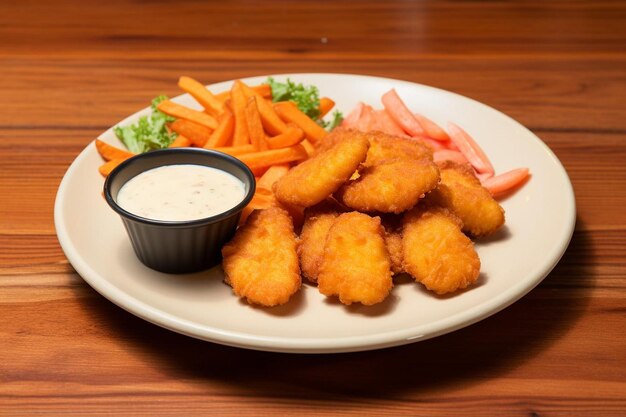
(71,69)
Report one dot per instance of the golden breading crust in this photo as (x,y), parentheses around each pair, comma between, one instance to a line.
(385,148)
(315,179)
(391,187)
(356,265)
(317,222)
(461,193)
(436,252)
(337,135)
(260,262)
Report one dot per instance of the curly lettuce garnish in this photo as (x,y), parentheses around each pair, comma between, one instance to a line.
(149,133)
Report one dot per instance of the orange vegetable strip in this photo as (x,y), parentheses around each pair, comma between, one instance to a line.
(470,149)
(202,95)
(506,181)
(236,150)
(182,112)
(308,147)
(448,155)
(365,122)
(401,114)
(109,152)
(180,142)
(384,123)
(431,129)
(259,201)
(271,122)
(199,135)
(484,176)
(273,174)
(326,105)
(255,128)
(106,168)
(264,90)
(353,117)
(290,113)
(262,159)
(224,132)
(292,136)
(238,101)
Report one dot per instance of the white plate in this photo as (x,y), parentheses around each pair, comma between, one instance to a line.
(540,220)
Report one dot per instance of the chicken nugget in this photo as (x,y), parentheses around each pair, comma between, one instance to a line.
(393,241)
(461,193)
(315,179)
(356,265)
(385,148)
(436,252)
(260,262)
(390,187)
(337,135)
(317,222)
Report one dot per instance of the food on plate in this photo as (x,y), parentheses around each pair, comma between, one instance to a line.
(394,176)
(317,222)
(393,240)
(260,262)
(315,179)
(435,251)
(181,192)
(356,265)
(462,193)
(506,181)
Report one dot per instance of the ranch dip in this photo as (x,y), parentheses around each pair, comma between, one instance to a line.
(181,192)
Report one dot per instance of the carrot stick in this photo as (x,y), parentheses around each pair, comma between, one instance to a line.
(308,147)
(353,117)
(236,150)
(109,152)
(106,168)
(292,136)
(258,202)
(273,174)
(255,128)
(470,149)
(238,100)
(326,105)
(507,181)
(401,114)
(224,132)
(182,112)
(264,90)
(271,122)
(290,113)
(197,134)
(431,129)
(263,159)
(180,142)
(202,95)
(448,155)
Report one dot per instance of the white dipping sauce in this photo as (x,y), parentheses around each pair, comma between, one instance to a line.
(181,192)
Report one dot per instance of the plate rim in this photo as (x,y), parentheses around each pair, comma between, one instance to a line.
(377,340)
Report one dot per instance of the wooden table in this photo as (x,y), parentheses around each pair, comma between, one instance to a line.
(71,69)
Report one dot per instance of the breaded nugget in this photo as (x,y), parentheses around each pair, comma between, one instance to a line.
(393,241)
(461,193)
(337,135)
(436,252)
(386,148)
(356,265)
(315,179)
(390,187)
(260,262)
(317,222)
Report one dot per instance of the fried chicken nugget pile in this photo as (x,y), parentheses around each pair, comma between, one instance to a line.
(353,180)
(355,266)
(395,175)
(315,179)
(461,193)
(435,251)
(260,262)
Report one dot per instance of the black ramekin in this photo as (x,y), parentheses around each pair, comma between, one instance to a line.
(179,246)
